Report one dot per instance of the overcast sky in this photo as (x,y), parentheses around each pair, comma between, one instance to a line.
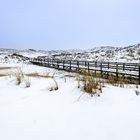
(68,24)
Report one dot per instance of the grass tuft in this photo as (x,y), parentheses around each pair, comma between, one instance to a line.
(2,75)
(91,85)
(37,75)
(19,76)
(5,68)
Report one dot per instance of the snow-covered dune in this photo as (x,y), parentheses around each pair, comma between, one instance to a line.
(37,113)
(103,53)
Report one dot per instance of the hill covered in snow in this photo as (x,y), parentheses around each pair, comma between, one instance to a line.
(104,53)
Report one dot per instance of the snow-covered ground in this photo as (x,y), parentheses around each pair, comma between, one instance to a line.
(35,113)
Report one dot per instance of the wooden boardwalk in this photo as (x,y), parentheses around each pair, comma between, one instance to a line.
(129,70)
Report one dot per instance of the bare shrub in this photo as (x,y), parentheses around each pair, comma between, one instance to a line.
(27,82)
(137,92)
(54,85)
(90,82)
(92,85)
(20,77)
(103,83)
(18,74)
(120,81)
(78,80)
(136,82)
(112,80)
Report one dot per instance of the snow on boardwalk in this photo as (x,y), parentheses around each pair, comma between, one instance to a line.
(35,113)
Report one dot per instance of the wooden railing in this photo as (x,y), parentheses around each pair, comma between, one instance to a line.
(129,70)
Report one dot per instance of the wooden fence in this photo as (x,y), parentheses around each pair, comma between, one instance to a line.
(128,70)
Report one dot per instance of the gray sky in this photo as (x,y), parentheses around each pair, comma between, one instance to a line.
(67,24)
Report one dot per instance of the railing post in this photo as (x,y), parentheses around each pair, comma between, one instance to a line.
(101,70)
(43,61)
(70,65)
(123,66)
(108,65)
(77,66)
(85,63)
(95,64)
(88,66)
(116,71)
(49,62)
(63,64)
(57,64)
(52,62)
(139,74)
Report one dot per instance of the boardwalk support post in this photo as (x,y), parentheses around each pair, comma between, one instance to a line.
(108,65)
(63,64)
(77,66)
(139,74)
(101,70)
(123,66)
(70,65)
(88,66)
(116,71)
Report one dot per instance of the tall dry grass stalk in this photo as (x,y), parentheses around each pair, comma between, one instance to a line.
(20,77)
(18,74)
(5,68)
(27,82)
(37,75)
(91,85)
(121,81)
(2,75)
